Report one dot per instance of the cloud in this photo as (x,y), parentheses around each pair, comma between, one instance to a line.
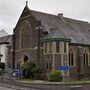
(10,10)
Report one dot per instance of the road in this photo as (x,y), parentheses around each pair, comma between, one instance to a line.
(5,88)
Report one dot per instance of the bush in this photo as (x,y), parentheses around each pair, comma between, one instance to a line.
(2,65)
(27,69)
(30,70)
(37,70)
(54,76)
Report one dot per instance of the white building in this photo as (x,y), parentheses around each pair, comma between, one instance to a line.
(5,41)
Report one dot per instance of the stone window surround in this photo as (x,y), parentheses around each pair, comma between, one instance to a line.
(25,22)
(48,66)
(71,52)
(85,57)
(50,47)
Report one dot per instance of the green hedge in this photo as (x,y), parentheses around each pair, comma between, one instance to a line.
(55,76)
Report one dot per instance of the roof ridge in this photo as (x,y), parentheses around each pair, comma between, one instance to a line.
(57,16)
(44,13)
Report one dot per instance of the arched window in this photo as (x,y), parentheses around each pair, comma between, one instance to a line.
(71,58)
(25,35)
(86,58)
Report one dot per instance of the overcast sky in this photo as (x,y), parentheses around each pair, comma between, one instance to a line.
(10,10)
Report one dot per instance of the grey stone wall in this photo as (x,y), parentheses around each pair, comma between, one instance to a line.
(32,36)
(79,71)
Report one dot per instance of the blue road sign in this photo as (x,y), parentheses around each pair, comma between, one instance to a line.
(64,68)
(17,72)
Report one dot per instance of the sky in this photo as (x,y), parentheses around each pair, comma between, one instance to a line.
(10,10)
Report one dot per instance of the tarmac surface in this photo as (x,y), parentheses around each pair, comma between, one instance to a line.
(5,88)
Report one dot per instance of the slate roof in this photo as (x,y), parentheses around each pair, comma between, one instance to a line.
(3,33)
(55,35)
(5,39)
(62,27)
(77,31)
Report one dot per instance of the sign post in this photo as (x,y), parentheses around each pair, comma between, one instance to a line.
(17,73)
(64,68)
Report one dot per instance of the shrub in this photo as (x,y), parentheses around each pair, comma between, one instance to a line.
(27,69)
(54,76)
(2,65)
(30,70)
(37,70)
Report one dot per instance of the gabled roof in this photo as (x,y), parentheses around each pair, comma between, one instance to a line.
(77,31)
(5,39)
(74,30)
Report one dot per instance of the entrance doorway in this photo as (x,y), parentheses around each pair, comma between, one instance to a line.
(25,58)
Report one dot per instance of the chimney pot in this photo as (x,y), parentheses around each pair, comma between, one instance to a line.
(60,15)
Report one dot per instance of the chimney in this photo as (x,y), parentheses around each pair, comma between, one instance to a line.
(60,15)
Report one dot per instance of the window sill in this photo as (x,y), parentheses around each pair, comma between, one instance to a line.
(47,53)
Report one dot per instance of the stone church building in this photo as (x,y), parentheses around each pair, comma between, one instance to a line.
(51,41)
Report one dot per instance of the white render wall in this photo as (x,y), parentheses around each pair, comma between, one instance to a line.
(3,51)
